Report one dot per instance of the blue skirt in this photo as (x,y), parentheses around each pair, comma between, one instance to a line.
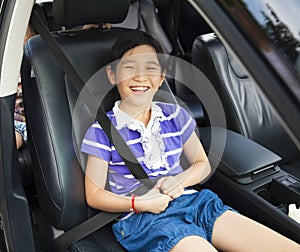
(190,214)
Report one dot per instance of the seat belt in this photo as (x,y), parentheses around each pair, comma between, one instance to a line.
(64,241)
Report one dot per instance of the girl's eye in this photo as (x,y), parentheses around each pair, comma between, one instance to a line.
(153,69)
(129,67)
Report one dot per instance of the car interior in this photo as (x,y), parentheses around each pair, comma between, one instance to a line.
(256,165)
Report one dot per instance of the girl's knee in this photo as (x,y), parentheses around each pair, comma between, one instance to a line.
(193,244)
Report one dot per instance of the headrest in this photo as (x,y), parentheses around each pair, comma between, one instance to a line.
(70,13)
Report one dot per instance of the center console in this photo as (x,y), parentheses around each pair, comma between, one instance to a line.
(248,177)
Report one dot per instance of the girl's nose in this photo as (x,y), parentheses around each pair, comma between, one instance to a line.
(140,74)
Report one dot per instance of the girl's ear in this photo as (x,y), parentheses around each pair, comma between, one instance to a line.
(110,75)
(163,75)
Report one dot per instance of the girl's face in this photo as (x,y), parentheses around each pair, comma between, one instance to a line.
(138,76)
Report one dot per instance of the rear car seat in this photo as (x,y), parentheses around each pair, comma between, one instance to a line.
(50,99)
(247,110)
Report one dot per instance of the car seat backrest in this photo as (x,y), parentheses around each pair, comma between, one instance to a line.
(247,110)
(51,101)
(57,170)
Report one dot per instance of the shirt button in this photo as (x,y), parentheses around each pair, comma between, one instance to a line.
(122,233)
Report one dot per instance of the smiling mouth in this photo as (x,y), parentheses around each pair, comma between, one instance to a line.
(139,89)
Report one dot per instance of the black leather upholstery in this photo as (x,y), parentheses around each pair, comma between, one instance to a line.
(247,110)
(51,99)
(73,13)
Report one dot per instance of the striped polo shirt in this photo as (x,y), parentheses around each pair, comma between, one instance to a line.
(157,147)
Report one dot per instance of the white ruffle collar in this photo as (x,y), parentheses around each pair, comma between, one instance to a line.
(151,138)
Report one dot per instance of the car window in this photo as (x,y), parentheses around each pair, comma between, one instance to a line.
(279,20)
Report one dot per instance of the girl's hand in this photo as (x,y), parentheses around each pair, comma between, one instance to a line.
(153,201)
(170,186)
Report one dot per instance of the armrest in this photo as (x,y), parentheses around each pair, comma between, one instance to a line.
(237,156)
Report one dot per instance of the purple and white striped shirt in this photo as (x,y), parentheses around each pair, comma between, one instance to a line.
(157,147)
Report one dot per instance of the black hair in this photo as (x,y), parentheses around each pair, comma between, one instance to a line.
(133,39)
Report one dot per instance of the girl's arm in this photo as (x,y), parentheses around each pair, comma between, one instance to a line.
(198,171)
(99,198)
(199,168)
(96,196)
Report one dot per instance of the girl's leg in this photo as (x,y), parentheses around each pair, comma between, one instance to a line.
(235,232)
(193,244)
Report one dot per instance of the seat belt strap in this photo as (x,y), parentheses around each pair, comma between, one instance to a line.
(92,224)
(123,150)
(65,240)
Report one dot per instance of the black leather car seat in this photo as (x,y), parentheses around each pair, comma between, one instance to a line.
(247,110)
(51,99)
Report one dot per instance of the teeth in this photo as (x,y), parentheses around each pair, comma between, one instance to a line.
(139,88)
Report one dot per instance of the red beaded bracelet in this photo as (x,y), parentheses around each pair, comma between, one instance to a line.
(132,208)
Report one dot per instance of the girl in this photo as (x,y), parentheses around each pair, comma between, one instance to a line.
(171,216)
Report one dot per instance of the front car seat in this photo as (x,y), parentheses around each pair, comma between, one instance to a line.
(55,126)
(57,170)
(246,109)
